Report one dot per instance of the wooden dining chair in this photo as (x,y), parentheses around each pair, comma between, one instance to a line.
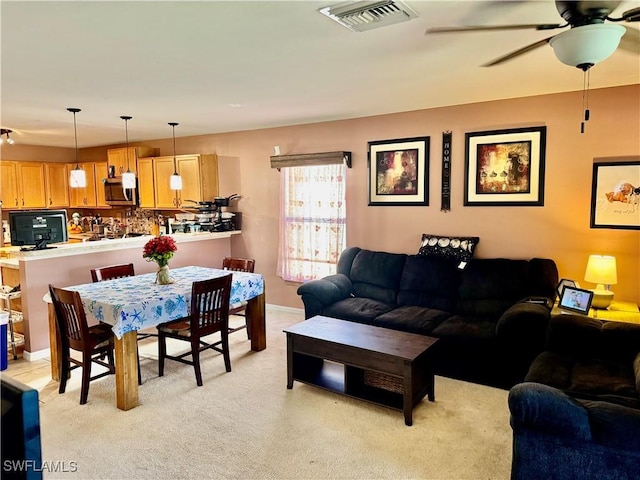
(209,314)
(237,264)
(75,334)
(110,272)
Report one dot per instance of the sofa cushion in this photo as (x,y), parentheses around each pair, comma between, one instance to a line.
(429,282)
(412,319)
(357,309)
(376,275)
(489,286)
(585,377)
(452,247)
(466,327)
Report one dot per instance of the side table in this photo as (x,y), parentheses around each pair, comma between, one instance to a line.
(618,311)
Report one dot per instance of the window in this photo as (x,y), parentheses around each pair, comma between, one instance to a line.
(312,221)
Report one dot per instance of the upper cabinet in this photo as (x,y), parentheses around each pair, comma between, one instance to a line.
(9,194)
(199,180)
(84,197)
(100,169)
(146,183)
(56,185)
(34,185)
(117,158)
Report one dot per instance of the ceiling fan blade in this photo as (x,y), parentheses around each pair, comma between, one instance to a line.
(479,28)
(630,41)
(518,52)
(632,15)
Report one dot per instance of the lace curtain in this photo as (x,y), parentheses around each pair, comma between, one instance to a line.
(312,221)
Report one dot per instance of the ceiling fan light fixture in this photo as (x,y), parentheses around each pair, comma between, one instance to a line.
(587,45)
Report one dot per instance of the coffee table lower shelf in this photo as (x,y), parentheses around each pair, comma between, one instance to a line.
(347,380)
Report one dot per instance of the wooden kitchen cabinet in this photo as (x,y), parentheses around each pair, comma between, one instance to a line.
(146,186)
(117,157)
(199,179)
(9,193)
(57,185)
(31,185)
(84,197)
(100,169)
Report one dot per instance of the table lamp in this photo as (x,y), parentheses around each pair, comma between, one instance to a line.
(601,270)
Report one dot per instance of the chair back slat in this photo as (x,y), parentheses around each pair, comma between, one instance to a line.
(236,264)
(210,305)
(70,317)
(112,271)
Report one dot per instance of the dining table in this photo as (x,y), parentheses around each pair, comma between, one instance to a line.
(138,302)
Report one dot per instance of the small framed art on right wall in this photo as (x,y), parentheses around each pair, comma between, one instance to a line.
(615,194)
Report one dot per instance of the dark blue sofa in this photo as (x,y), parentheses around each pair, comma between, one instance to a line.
(488,333)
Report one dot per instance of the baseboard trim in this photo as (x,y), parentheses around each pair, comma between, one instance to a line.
(44,354)
(281,308)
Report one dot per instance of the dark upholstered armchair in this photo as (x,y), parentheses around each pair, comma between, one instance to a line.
(556,436)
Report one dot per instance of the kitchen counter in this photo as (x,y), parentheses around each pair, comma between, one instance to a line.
(70,264)
(78,248)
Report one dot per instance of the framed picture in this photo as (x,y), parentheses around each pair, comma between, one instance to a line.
(399,172)
(615,195)
(576,300)
(505,167)
(565,282)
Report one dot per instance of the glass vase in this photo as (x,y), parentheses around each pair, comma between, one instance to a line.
(162,276)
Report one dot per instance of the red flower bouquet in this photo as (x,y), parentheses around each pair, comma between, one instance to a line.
(159,250)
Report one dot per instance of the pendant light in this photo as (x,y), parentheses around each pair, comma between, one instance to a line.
(6,131)
(128,178)
(175,181)
(78,177)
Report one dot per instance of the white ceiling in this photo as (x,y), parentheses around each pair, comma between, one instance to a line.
(229,66)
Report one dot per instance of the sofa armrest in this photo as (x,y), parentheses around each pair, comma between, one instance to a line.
(547,410)
(524,325)
(318,294)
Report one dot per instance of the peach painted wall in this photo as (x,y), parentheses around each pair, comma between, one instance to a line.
(558,230)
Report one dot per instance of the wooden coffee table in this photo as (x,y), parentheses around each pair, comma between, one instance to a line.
(379,365)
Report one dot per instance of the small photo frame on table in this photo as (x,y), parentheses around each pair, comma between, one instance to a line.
(575,300)
(505,167)
(615,194)
(565,282)
(399,172)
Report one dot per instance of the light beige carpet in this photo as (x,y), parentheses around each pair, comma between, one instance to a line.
(247,425)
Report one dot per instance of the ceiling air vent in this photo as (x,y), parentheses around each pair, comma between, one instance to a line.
(361,16)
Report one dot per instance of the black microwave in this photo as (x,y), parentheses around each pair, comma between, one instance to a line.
(116,195)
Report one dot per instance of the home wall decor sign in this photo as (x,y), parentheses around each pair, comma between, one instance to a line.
(615,194)
(446,172)
(399,172)
(505,167)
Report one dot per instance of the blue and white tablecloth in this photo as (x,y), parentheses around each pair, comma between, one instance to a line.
(134,303)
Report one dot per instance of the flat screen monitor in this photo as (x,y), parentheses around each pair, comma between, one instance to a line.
(38,228)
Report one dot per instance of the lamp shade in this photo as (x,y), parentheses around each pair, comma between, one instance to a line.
(175,182)
(601,269)
(128,180)
(77,178)
(588,44)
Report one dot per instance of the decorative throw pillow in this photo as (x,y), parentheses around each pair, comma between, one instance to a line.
(458,248)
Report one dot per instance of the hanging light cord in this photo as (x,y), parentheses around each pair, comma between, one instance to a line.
(75,132)
(126,130)
(175,166)
(586,80)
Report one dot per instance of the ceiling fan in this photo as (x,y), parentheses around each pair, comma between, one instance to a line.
(591,39)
